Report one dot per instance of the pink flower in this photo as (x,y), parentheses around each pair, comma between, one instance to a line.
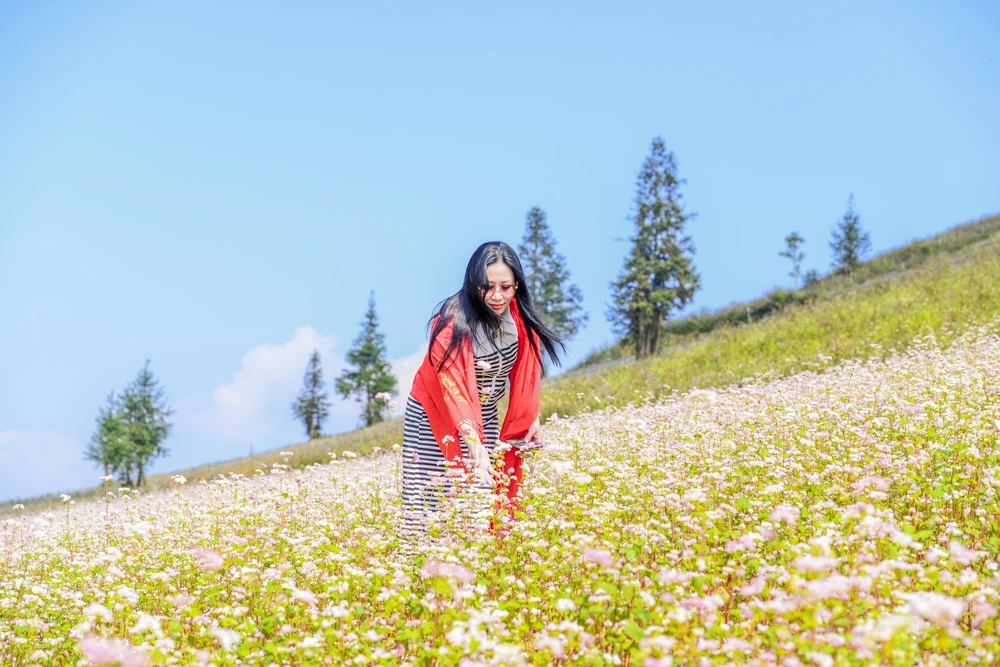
(707,644)
(434,568)
(962,554)
(815,563)
(180,600)
(871,480)
(732,546)
(208,561)
(112,651)
(657,662)
(599,557)
(982,611)
(735,644)
(935,607)
(755,587)
(304,596)
(836,586)
(784,513)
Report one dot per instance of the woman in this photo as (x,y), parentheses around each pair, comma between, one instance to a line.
(486,333)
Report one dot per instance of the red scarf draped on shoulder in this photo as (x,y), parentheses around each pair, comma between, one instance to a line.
(451,396)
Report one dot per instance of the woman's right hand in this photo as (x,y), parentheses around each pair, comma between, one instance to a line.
(482,463)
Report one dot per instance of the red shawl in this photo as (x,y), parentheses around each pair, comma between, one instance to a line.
(451,396)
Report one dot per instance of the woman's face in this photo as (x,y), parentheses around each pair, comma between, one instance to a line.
(502,287)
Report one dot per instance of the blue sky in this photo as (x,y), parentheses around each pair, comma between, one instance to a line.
(218,186)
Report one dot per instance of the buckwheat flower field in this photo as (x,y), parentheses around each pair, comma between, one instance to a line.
(846,515)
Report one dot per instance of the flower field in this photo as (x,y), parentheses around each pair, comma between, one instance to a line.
(842,515)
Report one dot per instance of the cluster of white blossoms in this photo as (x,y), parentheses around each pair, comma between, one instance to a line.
(847,516)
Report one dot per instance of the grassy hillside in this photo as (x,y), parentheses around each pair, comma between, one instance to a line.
(936,286)
(888,264)
(943,295)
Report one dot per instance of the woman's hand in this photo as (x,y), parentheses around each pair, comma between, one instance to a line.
(534,431)
(482,464)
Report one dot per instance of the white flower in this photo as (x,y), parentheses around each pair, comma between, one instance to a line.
(228,639)
(565,604)
(935,607)
(146,623)
(65,498)
(304,596)
(94,610)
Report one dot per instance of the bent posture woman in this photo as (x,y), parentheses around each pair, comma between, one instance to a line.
(486,333)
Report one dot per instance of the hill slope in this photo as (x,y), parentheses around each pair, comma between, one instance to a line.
(937,286)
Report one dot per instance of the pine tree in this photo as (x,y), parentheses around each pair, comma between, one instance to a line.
(658,276)
(557,301)
(312,406)
(793,243)
(109,446)
(370,373)
(850,243)
(144,413)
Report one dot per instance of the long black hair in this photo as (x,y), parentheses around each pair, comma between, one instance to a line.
(467,308)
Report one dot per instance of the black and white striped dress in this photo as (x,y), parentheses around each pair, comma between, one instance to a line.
(423,462)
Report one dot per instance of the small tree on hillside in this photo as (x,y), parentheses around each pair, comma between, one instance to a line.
(850,243)
(369,372)
(658,277)
(312,406)
(793,243)
(144,413)
(557,301)
(109,445)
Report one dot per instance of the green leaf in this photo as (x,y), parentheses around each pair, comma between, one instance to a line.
(633,631)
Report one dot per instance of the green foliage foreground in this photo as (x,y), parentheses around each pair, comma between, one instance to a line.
(840,517)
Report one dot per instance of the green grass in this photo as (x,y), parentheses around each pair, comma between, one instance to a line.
(892,263)
(944,295)
(937,286)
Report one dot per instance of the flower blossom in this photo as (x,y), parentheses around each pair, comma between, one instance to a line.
(433,568)
(208,561)
(599,557)
(112,651)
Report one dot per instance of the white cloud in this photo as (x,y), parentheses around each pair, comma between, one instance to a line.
(37,462)
(254,405)
(405,368)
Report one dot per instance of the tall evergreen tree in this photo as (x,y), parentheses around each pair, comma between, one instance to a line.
(658,276)
(144,413)
(109,446)
(557,301)
(793,245)
(369,372)
(312,406)
(850,243)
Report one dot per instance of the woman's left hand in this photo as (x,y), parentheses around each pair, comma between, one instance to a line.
(534,431)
